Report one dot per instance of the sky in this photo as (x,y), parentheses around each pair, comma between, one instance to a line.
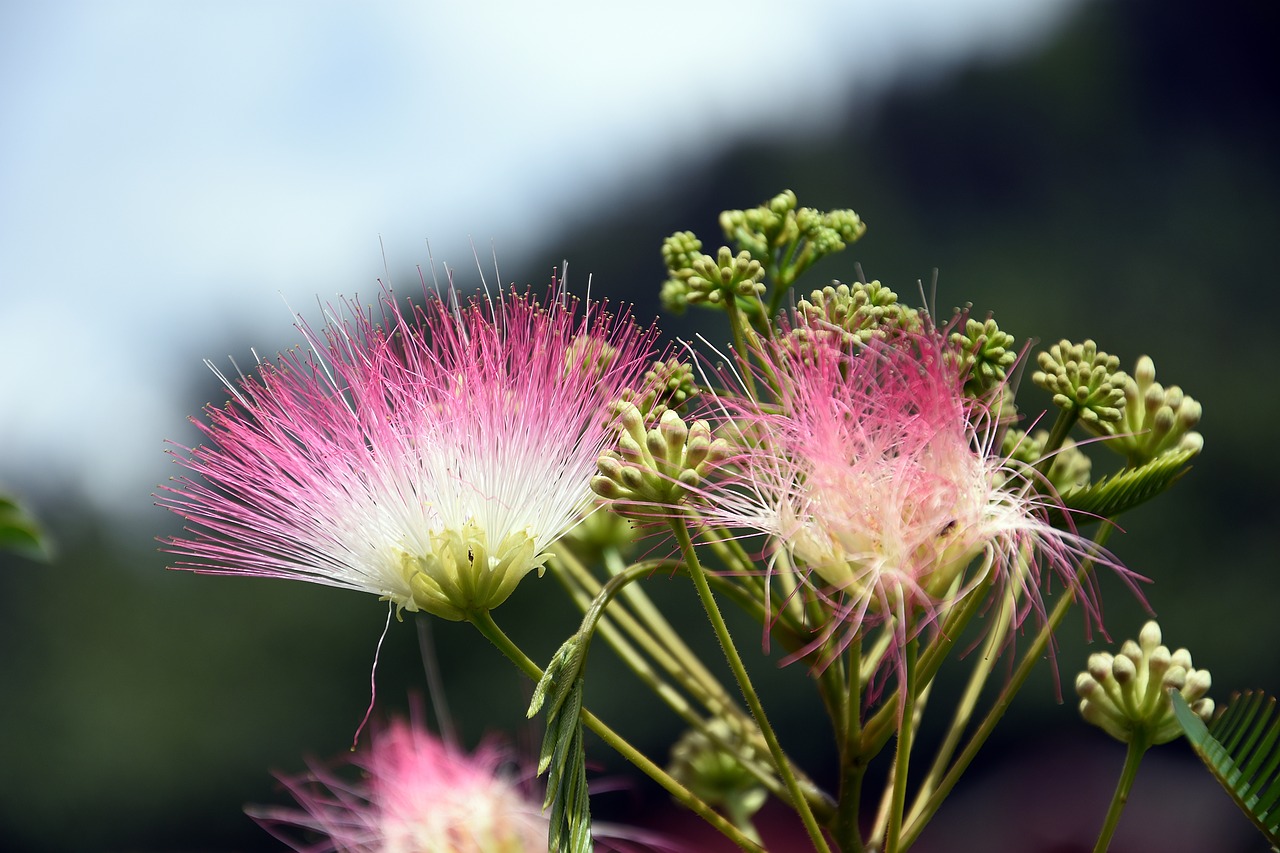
(172,171)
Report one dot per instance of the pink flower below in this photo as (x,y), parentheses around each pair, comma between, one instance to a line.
(415,794)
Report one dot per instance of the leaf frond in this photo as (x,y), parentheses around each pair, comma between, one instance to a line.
(1241,748)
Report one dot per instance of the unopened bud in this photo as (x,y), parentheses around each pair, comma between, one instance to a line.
(1128,694)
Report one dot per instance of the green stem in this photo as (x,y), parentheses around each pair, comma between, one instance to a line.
(1137,748)
(902,760)
(655,636)
(719,706)
(612,628)
(852,761)
(876,733)
(681,664)
(786,269)
(483,622)
(842,693)
(729,549)
(739,329)
(964,711)
(832,686)
(1057,435)
(668,636)
(748,591)
(798,800)
(1020,676)
(606,593)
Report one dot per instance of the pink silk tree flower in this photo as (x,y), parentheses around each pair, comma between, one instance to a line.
(879,485)
(429,455)
(414,794)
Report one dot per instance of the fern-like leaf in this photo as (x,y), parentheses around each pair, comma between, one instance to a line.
(1112,495)
(563,757)
(1241,748)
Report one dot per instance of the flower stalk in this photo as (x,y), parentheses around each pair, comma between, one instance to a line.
(1133,757)
(798,800)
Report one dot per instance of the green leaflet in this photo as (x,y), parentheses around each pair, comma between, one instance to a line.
(1122,491)
(1240,748)
(19,533)
(563,756)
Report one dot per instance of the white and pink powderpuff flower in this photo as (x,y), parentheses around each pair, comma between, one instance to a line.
(414,794)
(880,486)
(429,455)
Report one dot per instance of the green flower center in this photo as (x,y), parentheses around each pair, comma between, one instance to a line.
(462,575)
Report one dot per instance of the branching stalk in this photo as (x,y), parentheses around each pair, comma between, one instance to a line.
(798,800)
(964,711)
(997,711)
(483,622)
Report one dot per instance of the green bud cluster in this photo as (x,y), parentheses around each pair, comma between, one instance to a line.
(1070,469)
(590,355)
(1157,420)
(679,251)
(776,239)
(657,467)
(726,276)
(697,278)
(712,768)
(1001,406)
(1127,694)
(674,296)
(790,237)
(857,312)
(1083,379)
(599,531)
(667,385)
(986,353)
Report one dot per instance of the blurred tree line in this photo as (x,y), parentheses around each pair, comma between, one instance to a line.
(1120,183)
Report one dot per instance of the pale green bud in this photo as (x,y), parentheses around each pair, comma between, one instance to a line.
(1083,379)
(723,277)
(668,384)
(654,469)
(855,313)
(711,766)
(1157,420)
(1128,693)
(985,353)
(1070,469)
(788,237)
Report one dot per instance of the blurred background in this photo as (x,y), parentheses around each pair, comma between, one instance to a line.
(175,179)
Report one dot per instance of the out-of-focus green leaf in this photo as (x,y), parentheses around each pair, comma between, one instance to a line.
(19,532)
(1241,748)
